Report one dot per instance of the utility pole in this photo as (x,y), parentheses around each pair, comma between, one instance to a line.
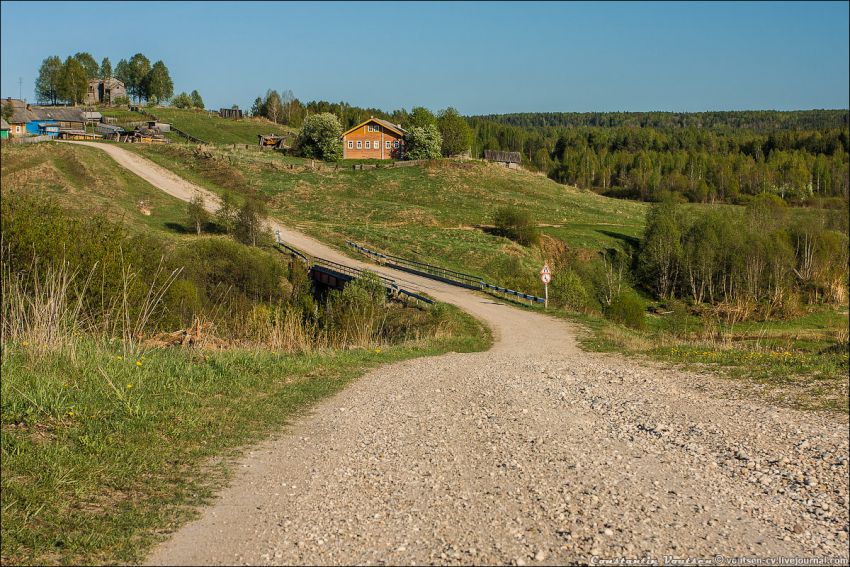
(20,88)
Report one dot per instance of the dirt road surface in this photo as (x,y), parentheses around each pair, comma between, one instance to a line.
(531,453)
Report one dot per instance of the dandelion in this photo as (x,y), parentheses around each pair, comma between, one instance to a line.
(138,363)
(64,385)
(71,414)
(119,357)
(377,350)
(129,386)
(25,343)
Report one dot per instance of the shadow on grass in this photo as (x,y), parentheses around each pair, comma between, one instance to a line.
(632,241)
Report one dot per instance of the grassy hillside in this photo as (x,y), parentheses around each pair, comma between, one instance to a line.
(86,181)
(439,212)
(210,128)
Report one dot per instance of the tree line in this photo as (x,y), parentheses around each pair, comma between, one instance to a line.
(67,81)
(759,261)
(697,164)
(764,121)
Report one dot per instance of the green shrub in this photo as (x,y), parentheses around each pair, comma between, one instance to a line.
(516,224)
(628,309)
(678,317)
(568,289)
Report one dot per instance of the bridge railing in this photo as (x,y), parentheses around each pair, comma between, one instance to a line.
(435,272)
(442,274)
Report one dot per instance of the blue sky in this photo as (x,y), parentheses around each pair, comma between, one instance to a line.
(482,57)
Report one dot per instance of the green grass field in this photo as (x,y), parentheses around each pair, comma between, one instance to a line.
(199,123)
(102,455)
(86,181)
(433,212)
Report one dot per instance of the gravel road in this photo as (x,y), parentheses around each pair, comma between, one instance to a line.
(534,452)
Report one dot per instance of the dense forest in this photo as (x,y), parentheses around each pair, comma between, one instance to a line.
(703,157)
(729,157)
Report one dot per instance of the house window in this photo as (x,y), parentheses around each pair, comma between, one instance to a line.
(368,144)
(350,144)
(395,144)
(359,145)
(388,144)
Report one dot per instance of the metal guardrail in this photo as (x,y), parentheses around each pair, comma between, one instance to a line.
(435,272)
(442,274)
(314,261)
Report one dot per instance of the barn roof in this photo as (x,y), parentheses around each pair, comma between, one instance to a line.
(24,113)
(21,114)
(3,124)
(65,114)
(507,157)
(386,124)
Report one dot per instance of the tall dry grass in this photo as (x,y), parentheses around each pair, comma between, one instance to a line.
(43,308)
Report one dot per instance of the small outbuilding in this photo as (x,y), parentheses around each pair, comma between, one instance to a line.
(508,159)
(272,141)
(230,113)
(108,129)
(4,129)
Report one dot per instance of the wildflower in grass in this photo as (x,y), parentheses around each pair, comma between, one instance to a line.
(119,357)
(64,385)
(25,343)
(138,363)
(129,386)
(378,350)
(71,414)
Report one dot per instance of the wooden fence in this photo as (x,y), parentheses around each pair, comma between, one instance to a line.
(30,139)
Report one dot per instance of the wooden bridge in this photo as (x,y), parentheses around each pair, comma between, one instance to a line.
(333,275)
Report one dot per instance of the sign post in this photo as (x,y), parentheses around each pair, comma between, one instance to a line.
(545,277)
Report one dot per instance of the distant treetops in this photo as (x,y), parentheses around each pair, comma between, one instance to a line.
(68,81)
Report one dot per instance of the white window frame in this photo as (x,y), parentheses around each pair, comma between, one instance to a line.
(368,144)
(389,144)
(395,144)
(359,145)
(350,144)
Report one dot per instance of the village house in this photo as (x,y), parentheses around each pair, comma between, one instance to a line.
(4,129)
(105,91)
(27,120)
(373,139)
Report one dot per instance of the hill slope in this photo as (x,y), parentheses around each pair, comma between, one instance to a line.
(438,212)
(208,127)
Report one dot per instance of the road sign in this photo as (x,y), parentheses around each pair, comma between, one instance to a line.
(546,277)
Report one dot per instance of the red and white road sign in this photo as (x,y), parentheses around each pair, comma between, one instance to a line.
(546,274)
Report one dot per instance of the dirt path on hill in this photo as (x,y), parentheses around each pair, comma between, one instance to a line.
(531,453)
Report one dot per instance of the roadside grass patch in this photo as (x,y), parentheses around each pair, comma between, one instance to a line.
(801,363)
(103,456)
